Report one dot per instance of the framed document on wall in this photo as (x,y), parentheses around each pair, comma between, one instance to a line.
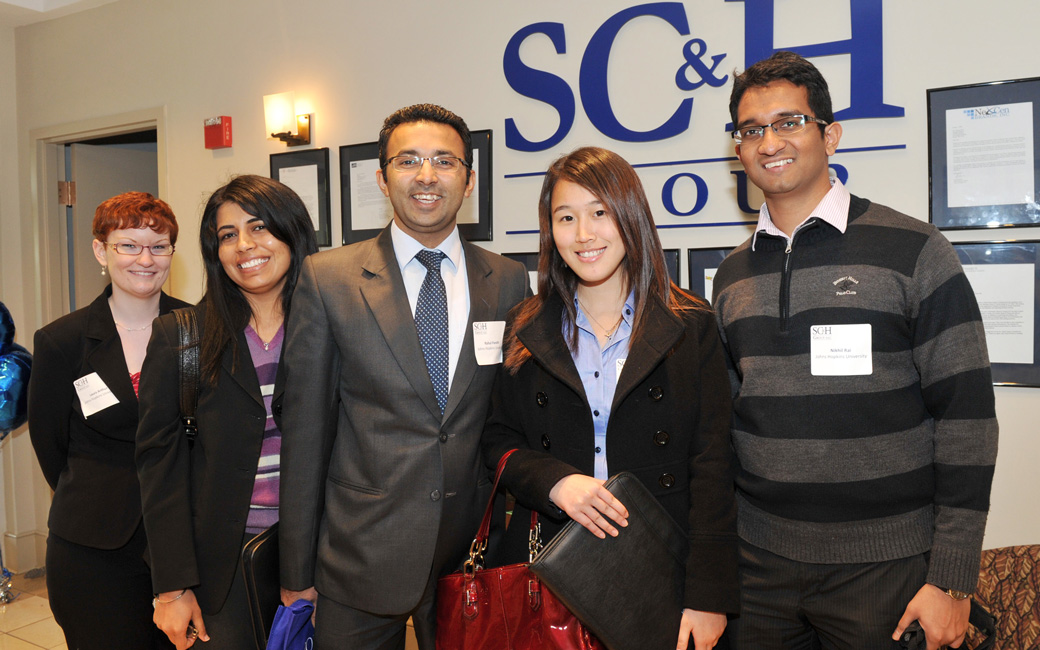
(307,173)
(983,142)
(1005,276)
(702,264)
(366,211)
(530,262)
(671,260)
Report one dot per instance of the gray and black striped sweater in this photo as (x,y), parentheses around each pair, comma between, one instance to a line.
(850,469)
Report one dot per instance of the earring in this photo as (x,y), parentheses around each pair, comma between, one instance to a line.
(104,271)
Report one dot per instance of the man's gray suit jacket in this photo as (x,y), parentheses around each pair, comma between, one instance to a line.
(378,490)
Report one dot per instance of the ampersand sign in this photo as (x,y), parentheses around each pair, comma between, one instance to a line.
(693,61)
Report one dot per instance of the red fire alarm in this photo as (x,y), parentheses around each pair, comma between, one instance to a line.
(218,132)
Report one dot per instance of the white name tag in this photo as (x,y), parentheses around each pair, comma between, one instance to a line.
(93,394)
(839,350)
(487,341)
(618,367)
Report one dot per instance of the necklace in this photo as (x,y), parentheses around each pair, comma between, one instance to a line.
(132,329)
(267,343)
(609,333)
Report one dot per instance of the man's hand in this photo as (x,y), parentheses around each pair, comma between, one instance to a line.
(943,619)
(289,596)
(706,628)
(310,593)
(172,615)
(587,502)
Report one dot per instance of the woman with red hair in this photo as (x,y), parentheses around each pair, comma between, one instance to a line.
(83,422)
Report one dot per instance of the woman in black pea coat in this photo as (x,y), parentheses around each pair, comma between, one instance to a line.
(97,578)
(601,271)
(197,502)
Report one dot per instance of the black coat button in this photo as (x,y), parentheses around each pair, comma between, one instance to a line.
(435,495)
(656,393)
(666,480)
(277,409)
(444,437)
(545,441)
(661,438)
(541,398)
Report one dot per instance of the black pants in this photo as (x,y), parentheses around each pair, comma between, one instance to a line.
(102,599)
(786,604)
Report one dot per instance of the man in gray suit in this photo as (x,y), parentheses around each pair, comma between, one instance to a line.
(389,373)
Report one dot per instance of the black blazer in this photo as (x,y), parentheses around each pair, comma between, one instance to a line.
(88,462)
(669,425)
(196,503)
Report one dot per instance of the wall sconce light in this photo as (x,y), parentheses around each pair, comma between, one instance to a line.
(280,118)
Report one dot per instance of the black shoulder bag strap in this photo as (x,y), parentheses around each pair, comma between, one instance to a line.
(188,363)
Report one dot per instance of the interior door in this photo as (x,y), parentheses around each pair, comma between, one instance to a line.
(100,172)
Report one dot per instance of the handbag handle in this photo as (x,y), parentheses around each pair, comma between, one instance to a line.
(475,561)
(479,545)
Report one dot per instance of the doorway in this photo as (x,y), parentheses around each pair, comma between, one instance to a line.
(106,156)
(25,493)
(99,169)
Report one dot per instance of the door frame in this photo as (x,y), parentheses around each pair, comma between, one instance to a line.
(46,145)
(27,495)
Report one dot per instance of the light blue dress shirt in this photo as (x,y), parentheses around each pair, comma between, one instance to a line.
(599,369)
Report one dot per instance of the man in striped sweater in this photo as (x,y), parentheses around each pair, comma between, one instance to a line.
(864,418)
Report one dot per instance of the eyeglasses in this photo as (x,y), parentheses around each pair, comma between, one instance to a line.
(440,164)
(785,126)
(158,250)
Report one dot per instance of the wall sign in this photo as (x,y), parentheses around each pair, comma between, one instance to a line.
(699,66)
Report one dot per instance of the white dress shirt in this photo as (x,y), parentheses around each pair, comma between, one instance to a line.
(456,284)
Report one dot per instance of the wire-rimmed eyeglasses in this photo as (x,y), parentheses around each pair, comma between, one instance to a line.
(783,127)
(126,248)
(440,164)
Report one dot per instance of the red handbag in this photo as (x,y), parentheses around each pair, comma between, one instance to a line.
(504,608)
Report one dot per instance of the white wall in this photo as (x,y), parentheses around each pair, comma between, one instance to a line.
(356,62)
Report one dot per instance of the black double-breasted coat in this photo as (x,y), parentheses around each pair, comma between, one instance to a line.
(669,425)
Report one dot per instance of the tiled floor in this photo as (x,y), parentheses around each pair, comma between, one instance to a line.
(26,622)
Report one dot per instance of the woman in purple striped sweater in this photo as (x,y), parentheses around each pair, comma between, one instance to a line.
(202,503)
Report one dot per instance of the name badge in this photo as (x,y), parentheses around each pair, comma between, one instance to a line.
(487,341)
(93,394)
(618,367)
(841,350)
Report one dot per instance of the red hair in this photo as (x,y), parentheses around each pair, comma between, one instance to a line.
(134,210)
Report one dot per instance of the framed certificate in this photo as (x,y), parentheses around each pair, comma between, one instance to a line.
(307,173)
(365,211)
(1005,276)
(530,262)
(701,265)
(983,141)
(671,260)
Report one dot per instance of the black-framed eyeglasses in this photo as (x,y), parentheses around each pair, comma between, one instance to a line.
(783,127)
(440,164)
(126,248)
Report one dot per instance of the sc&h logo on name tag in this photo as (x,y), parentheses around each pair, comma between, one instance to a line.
(841,350)
(487,341)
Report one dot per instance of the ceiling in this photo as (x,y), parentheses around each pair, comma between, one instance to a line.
(14,13)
